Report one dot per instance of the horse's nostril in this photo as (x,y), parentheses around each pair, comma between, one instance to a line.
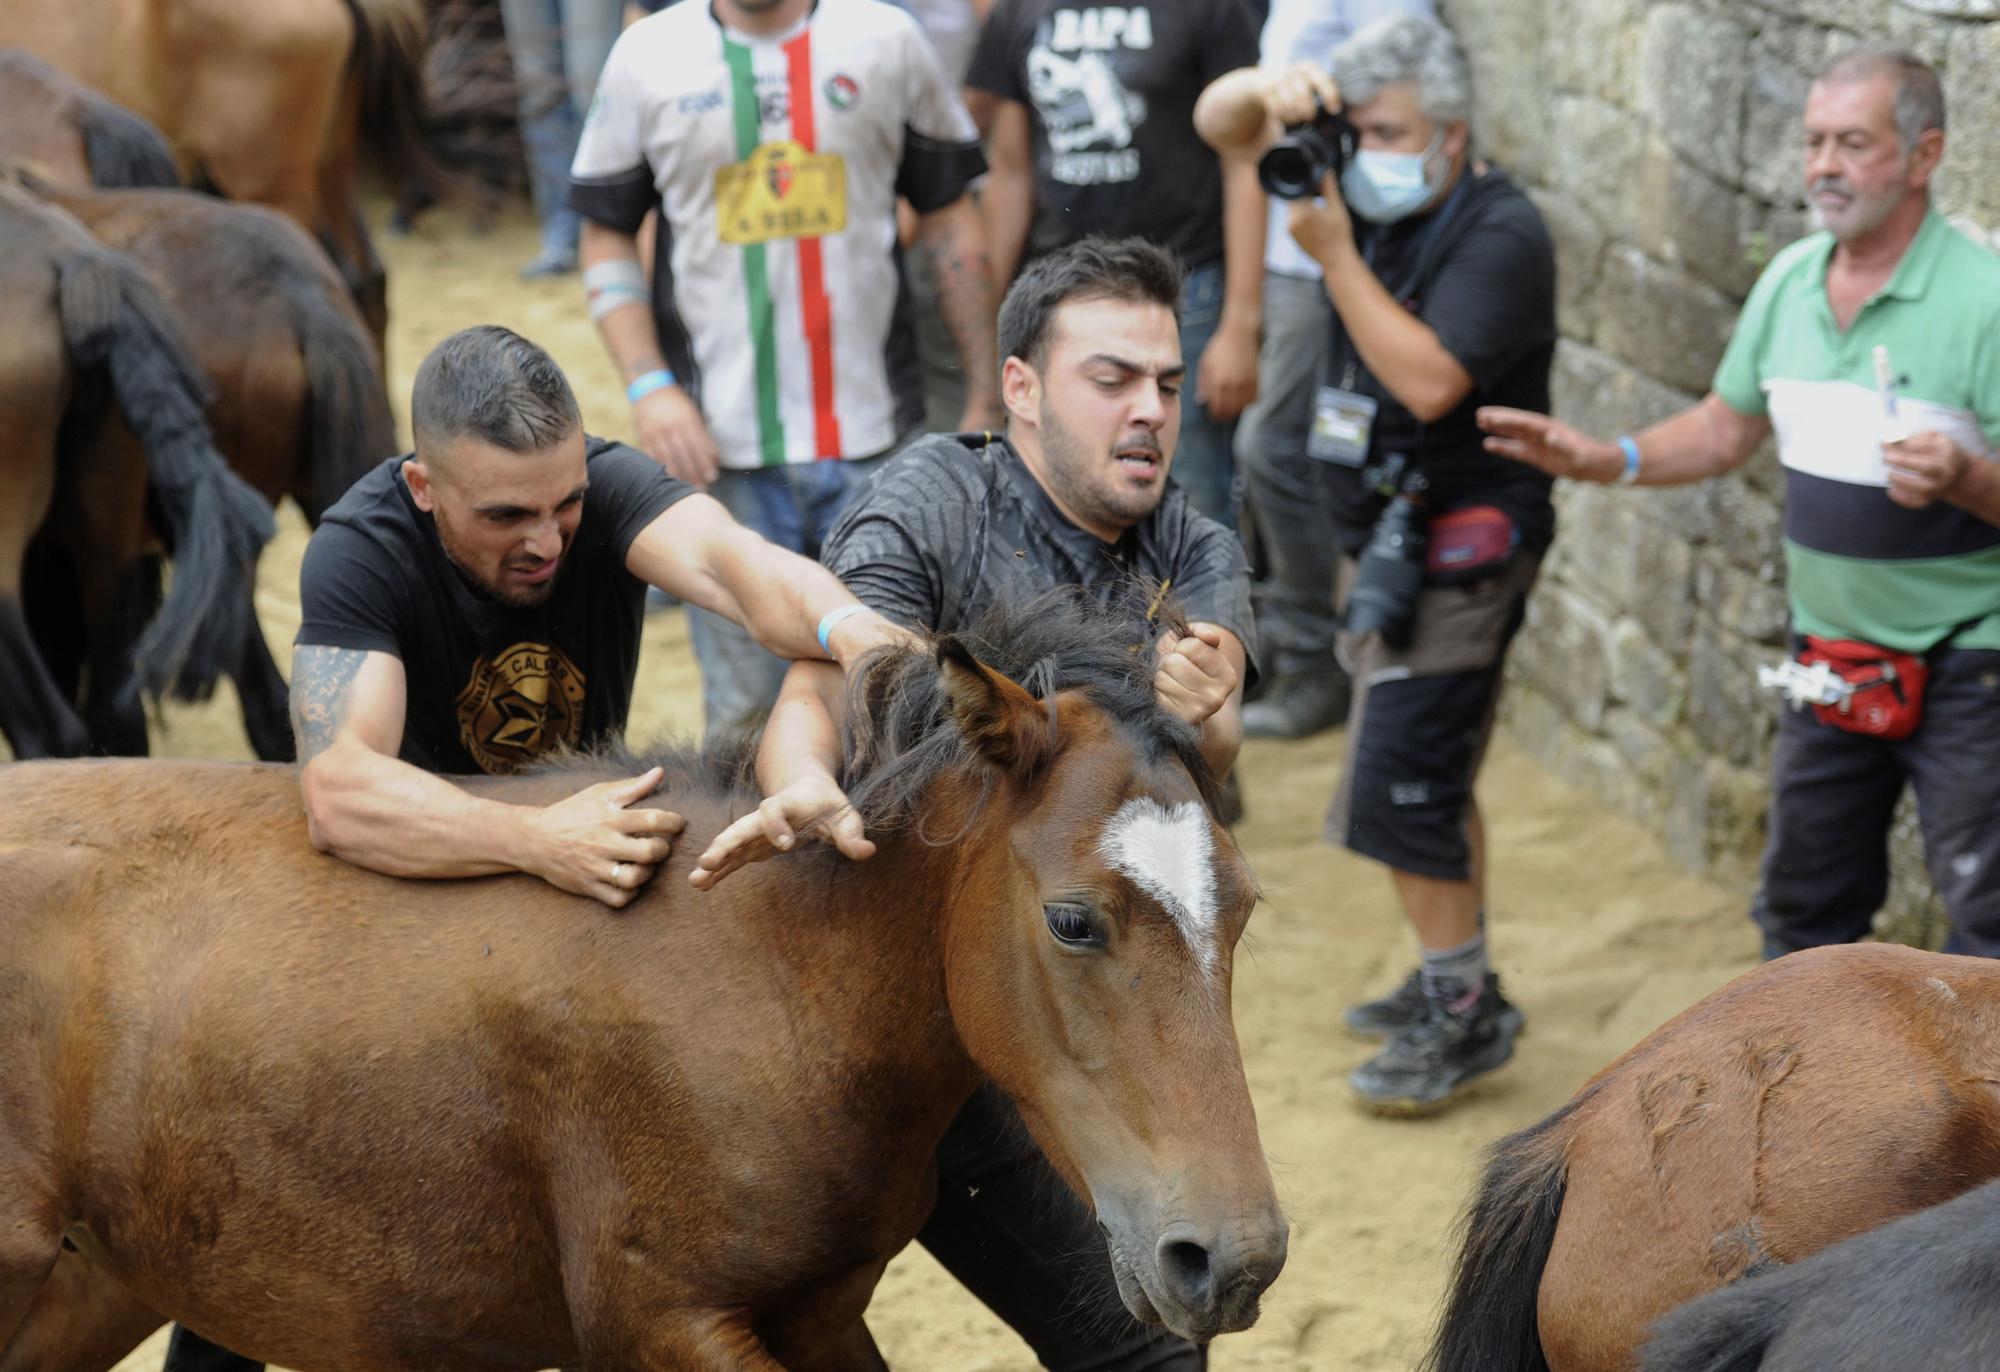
(1185,1268)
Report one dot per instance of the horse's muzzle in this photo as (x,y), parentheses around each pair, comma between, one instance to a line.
(1203,1284)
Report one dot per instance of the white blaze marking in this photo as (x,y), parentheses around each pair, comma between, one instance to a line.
(1167,854)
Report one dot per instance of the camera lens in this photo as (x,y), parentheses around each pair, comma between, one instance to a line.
(1296,164)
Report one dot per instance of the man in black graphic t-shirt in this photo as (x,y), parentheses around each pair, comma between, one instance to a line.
(477,604)
(1089,111)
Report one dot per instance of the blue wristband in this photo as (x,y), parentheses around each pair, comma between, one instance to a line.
(831,619)
(642,386)
(1630,447)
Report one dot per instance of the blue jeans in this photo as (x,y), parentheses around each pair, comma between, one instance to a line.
(1204,463)
(1285,492)
(795,507)
(558,49)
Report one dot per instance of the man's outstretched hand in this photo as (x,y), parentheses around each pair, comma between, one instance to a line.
(1549,445)
(813,806)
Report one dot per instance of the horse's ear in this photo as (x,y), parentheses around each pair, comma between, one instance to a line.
(1003,722)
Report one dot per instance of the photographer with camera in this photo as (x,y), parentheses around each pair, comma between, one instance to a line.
(1442,280)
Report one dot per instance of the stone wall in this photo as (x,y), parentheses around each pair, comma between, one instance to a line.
(1662,142)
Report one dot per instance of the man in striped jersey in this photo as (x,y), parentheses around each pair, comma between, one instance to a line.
(1873,350)
(770,362)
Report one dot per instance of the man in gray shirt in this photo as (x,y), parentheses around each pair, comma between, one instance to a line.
(1075,493)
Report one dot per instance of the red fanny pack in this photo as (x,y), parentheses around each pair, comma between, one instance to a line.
(1470,544)
(1886,688)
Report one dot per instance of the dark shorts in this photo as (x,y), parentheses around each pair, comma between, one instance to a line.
(1417,729)
(1834,794)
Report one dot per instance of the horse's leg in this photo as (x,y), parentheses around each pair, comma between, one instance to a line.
(103,524)
(82,1320)
(690,1343)
(266,700)
(36,719)
(853,1351)
(112,709)
(30,1235)
(35,714)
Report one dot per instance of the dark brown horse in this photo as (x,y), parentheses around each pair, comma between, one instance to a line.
(339,1121)
(101,401)
(272,102)
(297,403)
(1920,1292)
(1811,1100)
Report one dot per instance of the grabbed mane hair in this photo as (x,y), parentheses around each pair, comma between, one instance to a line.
(901,735)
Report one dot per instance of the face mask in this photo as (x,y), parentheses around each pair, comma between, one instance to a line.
(1383,187)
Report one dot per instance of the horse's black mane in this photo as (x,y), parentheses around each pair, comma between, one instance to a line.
(901,736)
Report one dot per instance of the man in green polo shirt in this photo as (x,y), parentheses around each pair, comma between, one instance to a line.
(1872,349)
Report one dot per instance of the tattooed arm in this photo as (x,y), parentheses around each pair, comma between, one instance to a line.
(368,806)
(951,243)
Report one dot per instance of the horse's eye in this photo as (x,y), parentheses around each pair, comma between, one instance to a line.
(1073,926)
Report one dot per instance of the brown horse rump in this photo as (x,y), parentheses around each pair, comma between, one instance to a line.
(1812,1099)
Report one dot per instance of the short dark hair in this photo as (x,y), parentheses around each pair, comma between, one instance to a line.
(1919,97)
(1088,269)
(490,383)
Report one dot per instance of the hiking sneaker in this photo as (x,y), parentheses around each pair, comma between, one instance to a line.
(1406,1006)
(1424,1065)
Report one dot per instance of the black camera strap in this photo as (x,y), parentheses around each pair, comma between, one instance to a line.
(1427,245)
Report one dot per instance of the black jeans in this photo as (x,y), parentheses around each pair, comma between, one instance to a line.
(1833,794)
(1006,1227)
(1016,1237)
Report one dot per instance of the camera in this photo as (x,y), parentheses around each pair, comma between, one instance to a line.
(1391,571)
(1298,163)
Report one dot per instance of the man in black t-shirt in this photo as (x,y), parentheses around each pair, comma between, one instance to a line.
(1088,112)
(1444,300)
(1075,494)
(477,604)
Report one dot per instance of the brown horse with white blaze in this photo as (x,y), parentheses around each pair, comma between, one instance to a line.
(334,1120)
(1813,1099)
(273,102)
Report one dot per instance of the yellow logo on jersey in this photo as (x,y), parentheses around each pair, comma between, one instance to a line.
(781,191)
(525,702)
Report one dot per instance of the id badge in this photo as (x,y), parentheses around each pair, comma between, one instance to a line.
(1342,421)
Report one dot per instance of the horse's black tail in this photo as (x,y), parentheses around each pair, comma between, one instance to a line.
(1489,1320)
(115,323)
(1723,1331)
(124,149)
(396,133)
(348,425)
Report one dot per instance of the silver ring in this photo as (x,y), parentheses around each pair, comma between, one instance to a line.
(618,871)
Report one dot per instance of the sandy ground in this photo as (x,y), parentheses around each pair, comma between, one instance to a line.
(1599,939)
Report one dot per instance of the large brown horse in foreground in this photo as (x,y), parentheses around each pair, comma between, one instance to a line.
(271,102)
(1813,1099)
(339,1121)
